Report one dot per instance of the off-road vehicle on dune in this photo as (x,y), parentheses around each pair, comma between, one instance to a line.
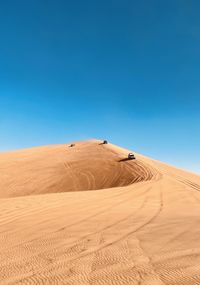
(131,156)
(105,142)
(72,144)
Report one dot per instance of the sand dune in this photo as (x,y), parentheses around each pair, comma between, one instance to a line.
(63,168)
(141,226)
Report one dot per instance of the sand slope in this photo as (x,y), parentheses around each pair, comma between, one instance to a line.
(145,231)
(61,168)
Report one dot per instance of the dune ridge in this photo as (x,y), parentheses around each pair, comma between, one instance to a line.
(139,227)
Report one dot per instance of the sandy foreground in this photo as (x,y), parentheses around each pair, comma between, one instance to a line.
(86,215)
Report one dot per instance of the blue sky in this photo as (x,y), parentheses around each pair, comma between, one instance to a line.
(123,70)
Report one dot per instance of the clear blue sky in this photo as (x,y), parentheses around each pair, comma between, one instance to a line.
(128,71)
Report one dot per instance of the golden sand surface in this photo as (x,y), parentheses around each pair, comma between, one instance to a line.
(86,215)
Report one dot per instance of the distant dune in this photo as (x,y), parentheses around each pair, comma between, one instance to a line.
(139,226)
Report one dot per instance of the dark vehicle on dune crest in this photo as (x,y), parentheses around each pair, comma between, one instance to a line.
(105,142)
(72,144)
(131,156)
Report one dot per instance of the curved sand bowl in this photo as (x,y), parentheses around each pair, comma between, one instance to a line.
(145,231)
(54,169)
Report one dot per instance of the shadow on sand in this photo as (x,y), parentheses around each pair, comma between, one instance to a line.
(125,159)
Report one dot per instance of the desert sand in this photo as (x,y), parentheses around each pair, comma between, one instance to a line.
(86,215)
